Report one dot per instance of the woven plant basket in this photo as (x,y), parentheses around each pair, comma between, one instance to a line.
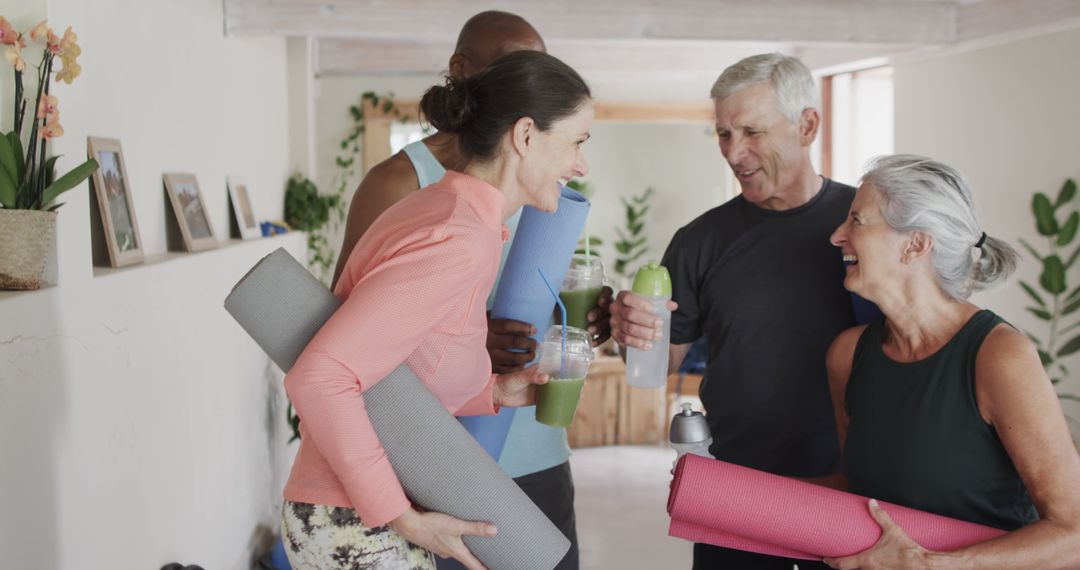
(25,237)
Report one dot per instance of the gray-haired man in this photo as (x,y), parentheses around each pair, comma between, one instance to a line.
(758,277)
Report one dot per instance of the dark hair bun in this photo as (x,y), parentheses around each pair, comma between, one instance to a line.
(482,108)
(448,107)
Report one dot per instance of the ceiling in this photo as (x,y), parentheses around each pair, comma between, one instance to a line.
(613,37)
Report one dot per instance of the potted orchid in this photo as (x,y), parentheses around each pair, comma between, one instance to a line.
(28,182)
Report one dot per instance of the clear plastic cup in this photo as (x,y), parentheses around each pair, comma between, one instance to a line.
(556,401)
(581,288)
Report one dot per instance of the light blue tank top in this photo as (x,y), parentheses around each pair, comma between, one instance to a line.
(530,445)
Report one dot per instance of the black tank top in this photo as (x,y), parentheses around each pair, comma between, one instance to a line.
(916,437)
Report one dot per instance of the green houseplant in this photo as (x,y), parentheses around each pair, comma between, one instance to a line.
(585,189)
(1054,302)
(28,182)
(631,245)
(308,211)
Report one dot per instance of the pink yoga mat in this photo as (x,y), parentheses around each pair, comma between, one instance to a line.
(737,507)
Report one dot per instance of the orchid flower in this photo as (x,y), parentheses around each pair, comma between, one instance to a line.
(8,35)
(34,188)
(69,40)
(48,106)
(40,31)
(51,127)
(70,71)
(52,42)
(13,55)
(52,130)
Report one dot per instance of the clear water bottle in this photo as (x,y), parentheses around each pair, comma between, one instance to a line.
(690,433)
(649,368)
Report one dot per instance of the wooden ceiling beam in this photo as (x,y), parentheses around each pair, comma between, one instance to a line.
(987,18)
(843,21)
(592,58)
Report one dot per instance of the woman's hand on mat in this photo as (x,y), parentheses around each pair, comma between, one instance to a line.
(441,534)
(633,323)
(504,335)
(516,389)
(895,549)
(600,317)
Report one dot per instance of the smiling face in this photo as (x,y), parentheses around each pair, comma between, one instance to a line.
(875,255)
(555,156)
(766,152)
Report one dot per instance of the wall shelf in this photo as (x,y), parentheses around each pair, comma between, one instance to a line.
(167,256)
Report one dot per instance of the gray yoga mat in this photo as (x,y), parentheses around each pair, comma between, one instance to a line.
(440,466)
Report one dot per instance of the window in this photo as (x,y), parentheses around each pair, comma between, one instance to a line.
(858,121)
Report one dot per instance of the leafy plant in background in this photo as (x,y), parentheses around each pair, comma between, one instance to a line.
(348,159)
(585,189)
(1056,302)
(294,422)
(307,210)
(27,177)
(594,242)
(631,244)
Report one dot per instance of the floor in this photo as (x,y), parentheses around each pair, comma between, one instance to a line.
(620,499)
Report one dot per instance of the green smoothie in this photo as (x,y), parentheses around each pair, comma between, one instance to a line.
(578,304)
(557,401)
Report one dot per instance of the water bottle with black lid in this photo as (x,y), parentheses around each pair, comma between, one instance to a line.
(690,433)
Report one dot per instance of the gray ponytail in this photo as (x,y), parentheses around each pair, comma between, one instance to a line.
(997,261)
(927,196)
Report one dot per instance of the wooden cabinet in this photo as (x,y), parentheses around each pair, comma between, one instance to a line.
(612,413)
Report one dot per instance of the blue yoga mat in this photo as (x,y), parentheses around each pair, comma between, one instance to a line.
(543,241)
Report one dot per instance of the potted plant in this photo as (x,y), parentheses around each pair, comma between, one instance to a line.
(631,245)
(309,211)
(28,183)
(1054,301)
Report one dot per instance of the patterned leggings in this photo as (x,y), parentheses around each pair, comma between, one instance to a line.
(320,537)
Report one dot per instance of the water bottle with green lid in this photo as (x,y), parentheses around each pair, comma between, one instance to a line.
(649,368)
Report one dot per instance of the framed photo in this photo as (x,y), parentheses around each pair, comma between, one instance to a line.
(242,222)
(189,210)
(115,231)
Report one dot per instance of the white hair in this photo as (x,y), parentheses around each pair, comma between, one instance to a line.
(790,79)
(924,195)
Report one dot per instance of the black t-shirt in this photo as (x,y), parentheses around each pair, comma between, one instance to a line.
(766,288)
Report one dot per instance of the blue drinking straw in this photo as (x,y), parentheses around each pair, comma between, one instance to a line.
(562,310)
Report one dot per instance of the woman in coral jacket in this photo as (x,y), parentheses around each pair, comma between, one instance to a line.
(414,291)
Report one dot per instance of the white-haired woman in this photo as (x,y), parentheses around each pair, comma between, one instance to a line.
(941,405)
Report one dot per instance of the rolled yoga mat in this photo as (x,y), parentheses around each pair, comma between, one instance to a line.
(737,507)
(543,241)
(440,467)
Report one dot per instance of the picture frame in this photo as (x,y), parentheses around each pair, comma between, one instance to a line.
(189,228)
(242,221)
(115,237)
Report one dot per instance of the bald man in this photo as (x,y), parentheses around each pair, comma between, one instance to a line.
(536,456)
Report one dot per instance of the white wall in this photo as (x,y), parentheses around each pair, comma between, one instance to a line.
(1007,116)
(138,424)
